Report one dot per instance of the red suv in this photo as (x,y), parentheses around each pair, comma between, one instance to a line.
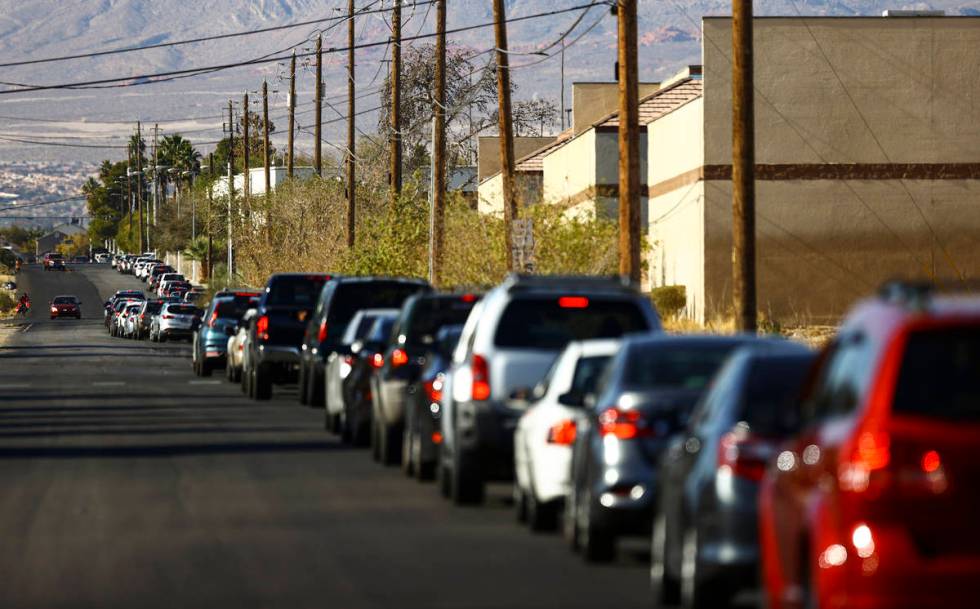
(876,502)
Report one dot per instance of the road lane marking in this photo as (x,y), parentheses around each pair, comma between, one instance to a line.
(24,329)
(108,383)
(16,386)
(203,382)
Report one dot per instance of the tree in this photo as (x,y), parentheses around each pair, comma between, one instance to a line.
(255,145)
(532,116)
(178,155)
(471,93)
(106,199)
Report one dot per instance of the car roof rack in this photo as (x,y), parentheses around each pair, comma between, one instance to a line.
(614,283)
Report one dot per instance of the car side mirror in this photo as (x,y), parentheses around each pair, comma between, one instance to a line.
(574,399)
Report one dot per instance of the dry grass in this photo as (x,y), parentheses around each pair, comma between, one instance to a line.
(815,336)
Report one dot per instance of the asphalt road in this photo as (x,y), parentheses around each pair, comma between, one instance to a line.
(127,482)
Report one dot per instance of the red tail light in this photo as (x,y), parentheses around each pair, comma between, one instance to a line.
(562,433)
(349,360)
(744,455)
(377,360)
(480,389)
(468,298)
(623,424)
(433,389)
(436,437)
(166,316)
(573,302)
(321,335)
(869,453)
(214,318)
(398,358)
(262,327)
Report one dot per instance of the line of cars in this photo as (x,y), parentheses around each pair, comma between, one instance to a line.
(842,477)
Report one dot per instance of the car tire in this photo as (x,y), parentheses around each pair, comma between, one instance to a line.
(205,367)
(697,592)
(304,387)
(598,544)
(391,441)
(375,441)
(541,516)
(161,337)
(408,464)
(468,487)
(250,384)
(520,503)
(443,478)
(262,382)
(317,393)
(666,587)
(569,520)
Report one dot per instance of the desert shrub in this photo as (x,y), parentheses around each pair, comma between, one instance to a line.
(669,300)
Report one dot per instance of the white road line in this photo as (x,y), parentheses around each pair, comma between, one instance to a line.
(16,386)
(203,382)
(108,383)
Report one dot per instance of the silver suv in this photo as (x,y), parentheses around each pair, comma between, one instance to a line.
(509,342)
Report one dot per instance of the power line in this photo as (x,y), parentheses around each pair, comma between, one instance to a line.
(144,79)
(195,40)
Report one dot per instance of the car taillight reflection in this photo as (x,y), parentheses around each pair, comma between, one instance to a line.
(398,358)
(321,334)
(377,360)
(743,454)
(623,424)
(480,387)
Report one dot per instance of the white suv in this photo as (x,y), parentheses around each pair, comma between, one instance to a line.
(509,342)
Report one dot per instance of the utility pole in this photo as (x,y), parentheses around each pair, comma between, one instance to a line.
(231,185)
(438,183)
(351,124)
(317,133)
(210,218)
(292,112)
(506,129)
(629,142)
(129,190)
(265,136)
(246,144)
(156,172)
(396,101)
(139,183)
(743,169)
(562,91)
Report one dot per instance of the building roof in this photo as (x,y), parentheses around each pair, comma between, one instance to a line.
(661,102)
(535,160)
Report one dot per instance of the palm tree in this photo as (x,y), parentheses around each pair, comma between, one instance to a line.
(177,152)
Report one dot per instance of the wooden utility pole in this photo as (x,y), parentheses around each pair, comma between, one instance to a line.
(129,190)
(139,184)
(265,137)
(351,125)
(246,144)
(292,112)
(395,154)
(439,146)
(210,210)
(231,186)
(317,133)
(743,169)
(506,128)
(629,142)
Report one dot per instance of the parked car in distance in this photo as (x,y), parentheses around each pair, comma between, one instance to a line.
(52,257)
(644,397)
(174,320)
(705,529)
(340,364)
(546,431)
(423,411)
(284,310)
(210,339)
(145,317)
(874,503)
(339,300)
(509,342)
(414,333)
(368,356)
(123,325)
(66,306)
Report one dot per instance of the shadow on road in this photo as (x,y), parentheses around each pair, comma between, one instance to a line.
(167,450)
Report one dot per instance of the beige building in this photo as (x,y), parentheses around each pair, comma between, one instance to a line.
(868,163)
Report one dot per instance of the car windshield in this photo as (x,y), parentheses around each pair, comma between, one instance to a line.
(430,314)
(940,375)
(772,384)
(351,297)
(551,322)
(381,329)
(179,309)
(670,365)
(295,290)
(63,300)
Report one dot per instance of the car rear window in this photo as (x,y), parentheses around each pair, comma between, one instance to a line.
(181,309)
(232,308)
(351,297)
(772,385)
(552,322)
(295,291)
(430,314)
(63,300)
(674,366)
(940,375)
(153,307)
(587,372)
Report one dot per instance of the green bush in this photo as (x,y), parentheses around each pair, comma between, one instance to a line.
(670,300)
(8,301)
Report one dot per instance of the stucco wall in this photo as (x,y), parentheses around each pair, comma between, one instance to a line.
(488,152)
(873,94)
(592,101)
(570,168)
(491,198)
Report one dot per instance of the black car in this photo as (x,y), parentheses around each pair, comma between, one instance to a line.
(340,299)
(423,434)
(145,316)
(412,337)
(644,397)
(706,524)
(367,355)
(275,334)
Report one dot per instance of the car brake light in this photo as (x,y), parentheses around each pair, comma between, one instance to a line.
(398,358)
(931,462)
(262,327)
(573,302)
(468,298)
(623,424)
(377,360)
(436,437)
(480,389)
(166,317)
(743,454)
(214,318)
(868,454)
(321,335)
(562,433)
(433,389)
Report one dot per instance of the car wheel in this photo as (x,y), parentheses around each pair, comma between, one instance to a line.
(304,387)
(317,393)
(468,486)
(250,384)
(162,337)
(205,367)
(570,520)
(444,476)
(597,543)
(390,444)
(375,441)
(541,516)
(520,502)
(408,465)
(665,586)
(696,591)
(263,384)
